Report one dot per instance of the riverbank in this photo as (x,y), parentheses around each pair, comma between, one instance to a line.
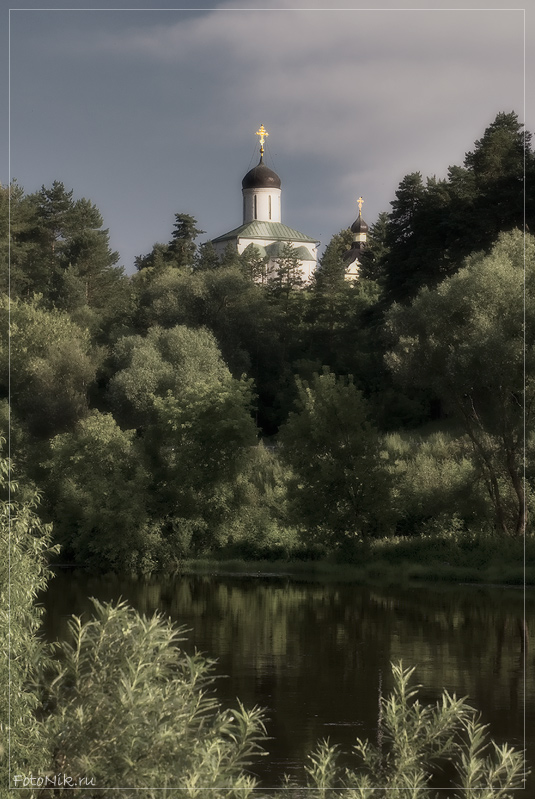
(393,561)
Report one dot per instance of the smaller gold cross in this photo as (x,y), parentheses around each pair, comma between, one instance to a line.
(262,132)
(360,201)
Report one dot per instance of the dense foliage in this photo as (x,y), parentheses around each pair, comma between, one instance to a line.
(25,544)
(435,225)
(393,405)
(466,341)
(118,705)
(339,487)
(131,710)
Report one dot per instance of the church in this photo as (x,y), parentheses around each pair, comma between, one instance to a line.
(262,221)
(262,225)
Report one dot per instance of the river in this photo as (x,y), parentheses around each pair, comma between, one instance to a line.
(317,655)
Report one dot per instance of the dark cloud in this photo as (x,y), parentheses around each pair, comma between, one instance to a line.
(149,113)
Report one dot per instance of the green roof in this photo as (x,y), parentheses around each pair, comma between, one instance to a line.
(270,231)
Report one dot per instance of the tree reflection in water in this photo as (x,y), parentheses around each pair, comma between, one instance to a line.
(312,653)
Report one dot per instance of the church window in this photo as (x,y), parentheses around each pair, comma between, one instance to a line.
(255,206)
(270,206)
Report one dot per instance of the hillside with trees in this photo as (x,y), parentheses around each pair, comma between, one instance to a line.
(205,407)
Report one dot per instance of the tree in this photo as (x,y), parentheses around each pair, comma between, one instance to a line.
(87,253)
(329,277)
(376,250)
(465,340)
(409,198)
(53,364)
(435,483)
(179,253)
(182,249)
(402,239)
(194,421)
(287,275)
(70,236)
(60,250)
(497,163)
(433,227)
(284,290)
(22,268)
(154,261)
(253,265)
(329,301)
(206,257)
(230,257)
(53,215)
(339,488)
(248,324)
(337,312)
(97,494)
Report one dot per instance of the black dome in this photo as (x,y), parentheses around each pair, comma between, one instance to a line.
(359,226)
(261,177)
(354,253)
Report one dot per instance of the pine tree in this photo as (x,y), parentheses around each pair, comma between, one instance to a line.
(287,275)
(206,257)
(253,265)
(182,249)
(433,227)
(376,250)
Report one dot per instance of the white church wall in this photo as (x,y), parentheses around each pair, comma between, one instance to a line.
(268,205)
(307,267)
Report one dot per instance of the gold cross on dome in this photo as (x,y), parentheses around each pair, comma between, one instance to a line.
(360,201)
(262,132)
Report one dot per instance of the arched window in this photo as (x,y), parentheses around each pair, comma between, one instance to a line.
(255,216)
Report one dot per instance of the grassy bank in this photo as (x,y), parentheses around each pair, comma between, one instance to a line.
(470,559)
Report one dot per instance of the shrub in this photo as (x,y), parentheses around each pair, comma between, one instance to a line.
(131,710)
(25,543)
(414,743)
(434,478)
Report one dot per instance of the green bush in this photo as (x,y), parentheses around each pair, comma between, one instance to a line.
(435,485)
(414,743)
(26,544)
(131,710)
(259,527)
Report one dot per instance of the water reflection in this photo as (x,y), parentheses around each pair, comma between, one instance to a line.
(313,654)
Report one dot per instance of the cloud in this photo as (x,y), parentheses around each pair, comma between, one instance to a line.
(353,71)
(169,101)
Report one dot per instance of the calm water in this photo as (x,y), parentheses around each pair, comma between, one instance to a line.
(315,654)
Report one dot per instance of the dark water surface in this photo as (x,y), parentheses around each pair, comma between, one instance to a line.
(314,654)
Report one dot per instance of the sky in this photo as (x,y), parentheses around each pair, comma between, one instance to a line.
(153,112)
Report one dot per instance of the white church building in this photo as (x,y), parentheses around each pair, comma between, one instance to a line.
(262,222)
